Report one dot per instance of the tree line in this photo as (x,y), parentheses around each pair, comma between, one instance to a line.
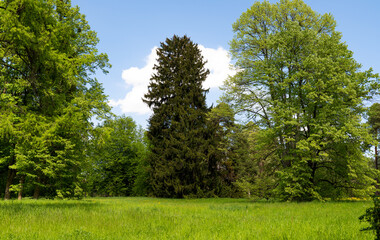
(302,95)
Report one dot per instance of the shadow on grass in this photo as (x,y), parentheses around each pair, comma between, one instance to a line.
(33,205)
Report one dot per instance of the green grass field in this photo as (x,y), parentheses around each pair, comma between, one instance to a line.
(150,218)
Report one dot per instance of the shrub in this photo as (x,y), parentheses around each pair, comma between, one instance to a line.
(372,216)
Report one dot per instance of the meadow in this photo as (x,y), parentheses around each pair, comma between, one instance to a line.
(152,218)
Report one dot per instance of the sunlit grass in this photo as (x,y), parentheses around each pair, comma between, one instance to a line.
(150,218)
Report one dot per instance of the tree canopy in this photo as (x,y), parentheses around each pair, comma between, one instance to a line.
(299,82)
(117,152)
(179,159)
(48,57)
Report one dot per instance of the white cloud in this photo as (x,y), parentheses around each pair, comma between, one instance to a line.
(138,78)
(218,62)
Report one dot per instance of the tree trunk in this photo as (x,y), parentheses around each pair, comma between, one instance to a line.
(21,187)
(11,176)
(376,163)
(36,193)
(377,193)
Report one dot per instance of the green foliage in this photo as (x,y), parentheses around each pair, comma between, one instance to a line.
(374,122)
(255,163)
(300,84)
(244,166)
(47,57)
(372,216)
(220,121)
(181,162)
(142,185)
(116,159)
(374,116)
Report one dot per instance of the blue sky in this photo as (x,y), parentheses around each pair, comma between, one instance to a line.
(129,31)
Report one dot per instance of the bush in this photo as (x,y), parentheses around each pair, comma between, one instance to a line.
(372,216)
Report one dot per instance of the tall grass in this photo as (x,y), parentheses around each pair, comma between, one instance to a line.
(149,218)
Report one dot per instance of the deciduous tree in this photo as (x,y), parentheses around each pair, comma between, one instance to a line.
(118,151)
(48,94)
(374,122)
(301,85)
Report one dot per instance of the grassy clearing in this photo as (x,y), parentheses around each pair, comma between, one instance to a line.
(149,218)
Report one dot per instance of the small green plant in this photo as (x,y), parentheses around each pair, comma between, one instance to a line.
(372,216)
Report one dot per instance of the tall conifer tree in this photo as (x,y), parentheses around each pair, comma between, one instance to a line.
(180,161)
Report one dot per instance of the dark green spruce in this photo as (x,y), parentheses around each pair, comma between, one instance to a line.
(181,160)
